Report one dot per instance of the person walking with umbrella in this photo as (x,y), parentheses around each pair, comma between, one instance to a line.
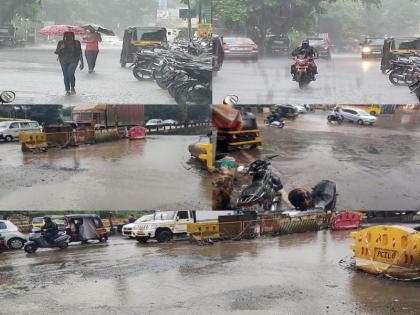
(92,40)
(69,51)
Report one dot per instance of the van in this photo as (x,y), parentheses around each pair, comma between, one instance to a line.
(10,130)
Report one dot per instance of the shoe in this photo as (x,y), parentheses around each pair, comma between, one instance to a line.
(68,93)
(73,91)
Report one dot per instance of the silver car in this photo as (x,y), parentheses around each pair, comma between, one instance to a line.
(13,237)
(358,116)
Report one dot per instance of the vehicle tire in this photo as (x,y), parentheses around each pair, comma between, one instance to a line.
(393,78)
(8,138)
(123,64)
(302,84)
(30,248)
(164,236)
(103,239)
(138,73)
(340,121)
(63,245)
(142,239)
(329,119)
(360,122)
(15,243)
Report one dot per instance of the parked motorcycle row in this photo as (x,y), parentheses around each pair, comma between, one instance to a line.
(184,70)
(405,71)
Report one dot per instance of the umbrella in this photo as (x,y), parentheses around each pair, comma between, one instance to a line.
(98,28)
(59,30)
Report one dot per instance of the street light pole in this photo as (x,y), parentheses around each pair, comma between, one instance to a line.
(189,20)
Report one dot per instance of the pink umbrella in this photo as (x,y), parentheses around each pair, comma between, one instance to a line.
(59,30)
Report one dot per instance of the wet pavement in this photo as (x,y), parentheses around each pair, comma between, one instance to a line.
(344,79)
(374,167)
(35,75)
(310,273)
(153,174)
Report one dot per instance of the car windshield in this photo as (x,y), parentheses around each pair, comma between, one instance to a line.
(316,42)
(363,113)
(238,41)
(374,41)
(164,215)
(59,221)
(144,218)
(37,220)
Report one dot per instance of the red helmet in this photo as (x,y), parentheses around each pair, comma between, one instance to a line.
(301,198)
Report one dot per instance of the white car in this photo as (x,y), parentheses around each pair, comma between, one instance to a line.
(154,123)
(126,229)
(10,130)
(300,109)
(111,41)
(13,237)
(169,122)
(358,116)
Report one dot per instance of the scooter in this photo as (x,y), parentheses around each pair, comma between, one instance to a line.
(274,121)
(335,118)
(37,240)
(262,194)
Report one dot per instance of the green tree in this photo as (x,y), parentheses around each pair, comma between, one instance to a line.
(19,8)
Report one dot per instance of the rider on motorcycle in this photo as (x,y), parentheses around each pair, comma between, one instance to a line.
(309,52)
(50,230)
(338,112)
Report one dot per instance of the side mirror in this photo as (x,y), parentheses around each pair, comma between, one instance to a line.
(7,96)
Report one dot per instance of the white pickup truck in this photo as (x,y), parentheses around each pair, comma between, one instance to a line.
(168,224)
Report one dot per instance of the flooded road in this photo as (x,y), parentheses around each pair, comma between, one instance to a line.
(153,174)
(374,167)
(346,79)
(35,75)
(307,273)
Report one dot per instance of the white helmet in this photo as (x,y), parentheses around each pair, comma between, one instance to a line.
(231,100)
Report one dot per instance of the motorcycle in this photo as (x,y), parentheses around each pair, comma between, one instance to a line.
(335,118)
(403,70)
(262,194)
(301,73)
(274,121)
(37,240)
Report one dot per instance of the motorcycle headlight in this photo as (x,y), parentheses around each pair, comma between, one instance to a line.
(366,50)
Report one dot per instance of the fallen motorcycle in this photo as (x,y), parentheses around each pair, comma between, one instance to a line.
(335,118)
(274,121)
(262,194)
(37,240)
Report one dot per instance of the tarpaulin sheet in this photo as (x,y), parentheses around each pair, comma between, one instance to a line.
(226,117)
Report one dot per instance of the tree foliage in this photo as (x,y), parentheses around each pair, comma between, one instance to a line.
(18,8)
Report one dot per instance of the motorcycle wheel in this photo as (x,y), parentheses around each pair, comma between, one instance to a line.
(30,248)
(395,80)
(141,74)
(340,121)
(303,84)
(63,245)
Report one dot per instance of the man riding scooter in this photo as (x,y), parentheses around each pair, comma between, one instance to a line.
(308,52)
(50,230)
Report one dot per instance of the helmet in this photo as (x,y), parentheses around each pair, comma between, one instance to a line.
(301,198)
(231,100)
(47,219)
(305,43)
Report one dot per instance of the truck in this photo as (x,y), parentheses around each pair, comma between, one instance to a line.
(167,225)
(108,116)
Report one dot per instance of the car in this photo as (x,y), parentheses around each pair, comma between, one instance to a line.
(13,237)
(111,41)
(127,229)
(240,48)
(10,129)
(300,109)
(169,122)
(322,45)
(154,123)
(372,47)
(358,116)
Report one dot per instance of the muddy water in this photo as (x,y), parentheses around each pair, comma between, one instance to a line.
(307,273)
(156,173)
(374,167)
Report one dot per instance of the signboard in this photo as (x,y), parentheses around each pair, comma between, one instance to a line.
(204,30)
(183,13)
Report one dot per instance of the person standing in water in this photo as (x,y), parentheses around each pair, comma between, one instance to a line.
(69,51)
(92,40)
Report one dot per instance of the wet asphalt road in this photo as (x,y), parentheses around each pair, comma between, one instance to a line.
(153,174)
(344,79)
(374,167)
(35,75)
(307,273)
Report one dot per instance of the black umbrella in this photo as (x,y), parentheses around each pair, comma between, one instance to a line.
(98,28)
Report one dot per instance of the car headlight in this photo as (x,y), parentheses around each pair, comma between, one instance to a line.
(366,49)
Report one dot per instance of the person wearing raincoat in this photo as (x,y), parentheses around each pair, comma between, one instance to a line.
(69,51)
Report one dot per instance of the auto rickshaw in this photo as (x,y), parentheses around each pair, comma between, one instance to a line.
(398,46)
(138,38)
(60,220)
(86,227)
(243,136)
